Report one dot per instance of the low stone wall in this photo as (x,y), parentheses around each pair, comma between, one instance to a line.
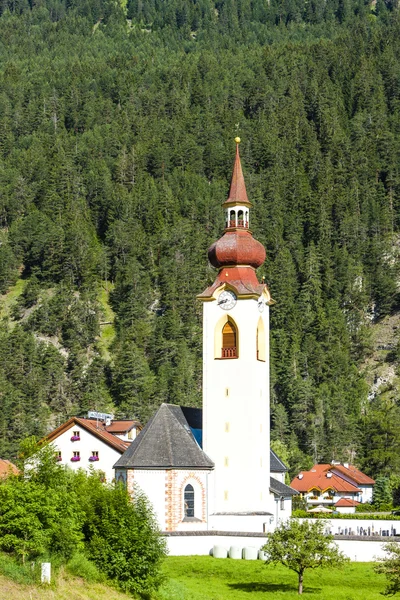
(190,543)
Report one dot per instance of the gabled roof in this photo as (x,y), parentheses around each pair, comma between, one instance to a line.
(121,426)
(94,427)
(346,502)
(321,477)
(281,489)
(7,468)
(353,473)
(166,442)
(276,465)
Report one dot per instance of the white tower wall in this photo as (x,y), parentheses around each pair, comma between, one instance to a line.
(236,409)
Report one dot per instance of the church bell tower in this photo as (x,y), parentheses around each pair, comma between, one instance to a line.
(236,371)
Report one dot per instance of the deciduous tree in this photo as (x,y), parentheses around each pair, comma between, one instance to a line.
(301,546)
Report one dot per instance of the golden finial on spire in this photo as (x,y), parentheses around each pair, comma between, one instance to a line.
(237,140)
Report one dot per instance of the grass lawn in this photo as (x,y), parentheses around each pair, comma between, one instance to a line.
(207,578)
(8,300)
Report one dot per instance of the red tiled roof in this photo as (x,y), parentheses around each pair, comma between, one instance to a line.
(7,468)
(95,428)
(317,478)
(346,502)
(353,473)
(121,426)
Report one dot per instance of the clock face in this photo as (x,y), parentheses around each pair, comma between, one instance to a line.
(261,304)
(227,300)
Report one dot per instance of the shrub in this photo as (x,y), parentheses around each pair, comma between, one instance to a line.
(17,572)
(81,566)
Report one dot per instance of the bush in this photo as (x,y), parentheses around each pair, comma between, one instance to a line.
(17,572)
(81,566)
(121,537)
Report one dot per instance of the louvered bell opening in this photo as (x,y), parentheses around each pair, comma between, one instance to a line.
(229,348)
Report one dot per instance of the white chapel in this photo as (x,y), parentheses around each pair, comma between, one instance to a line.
(210,468)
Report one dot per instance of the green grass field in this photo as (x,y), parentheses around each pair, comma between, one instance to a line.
(207,578)
(8,300)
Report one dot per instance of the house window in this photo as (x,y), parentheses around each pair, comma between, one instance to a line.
(76,456)
(58,455)
(282,503)
(188,501)
(75,436)
(229,341)
(95,456)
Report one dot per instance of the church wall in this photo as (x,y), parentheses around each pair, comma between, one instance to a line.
(191,545)
(152,482)
(282,509)
(164,489)
(176,481)
(236,411)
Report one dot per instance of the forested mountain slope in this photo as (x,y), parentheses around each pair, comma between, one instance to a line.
(116,143)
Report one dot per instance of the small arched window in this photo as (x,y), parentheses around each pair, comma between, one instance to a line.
(188,501)
(229,341)
(240,219)
(282,503)
(261,354)
(232,221)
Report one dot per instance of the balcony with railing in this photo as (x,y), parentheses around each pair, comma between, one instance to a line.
(242,224)
(229,352)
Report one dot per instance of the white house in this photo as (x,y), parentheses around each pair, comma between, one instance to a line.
(83,443)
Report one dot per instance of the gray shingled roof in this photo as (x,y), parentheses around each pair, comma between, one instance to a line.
(276,465)
(194,417)
(165,442)
(280,489)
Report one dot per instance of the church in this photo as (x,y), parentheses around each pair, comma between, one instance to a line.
(210,468)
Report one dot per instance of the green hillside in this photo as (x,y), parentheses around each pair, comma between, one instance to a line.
(116,146)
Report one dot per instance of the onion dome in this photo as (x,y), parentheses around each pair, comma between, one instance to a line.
(236,248)
(236,254)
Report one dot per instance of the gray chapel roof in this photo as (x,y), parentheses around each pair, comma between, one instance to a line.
(165,442)
(281,489)
(276,465)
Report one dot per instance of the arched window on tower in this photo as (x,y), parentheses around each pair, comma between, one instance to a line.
(240,219)
(246,219)
(229,341)
(261,340)
(232,220)
(188,501)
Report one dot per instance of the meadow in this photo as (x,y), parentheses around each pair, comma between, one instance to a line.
(204,578)
(207,578)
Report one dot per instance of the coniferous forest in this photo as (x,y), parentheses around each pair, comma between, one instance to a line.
(117,122)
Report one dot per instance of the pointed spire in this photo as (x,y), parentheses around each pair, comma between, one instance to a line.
(237,191)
